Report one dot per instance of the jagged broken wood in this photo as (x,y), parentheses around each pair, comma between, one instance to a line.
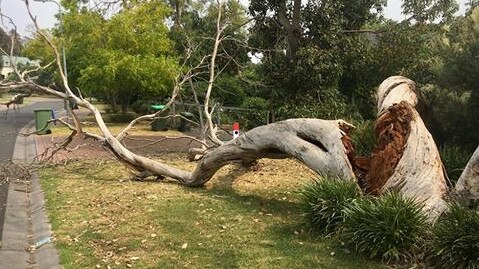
(406,158)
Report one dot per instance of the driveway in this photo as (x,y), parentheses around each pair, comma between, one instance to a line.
(9,128)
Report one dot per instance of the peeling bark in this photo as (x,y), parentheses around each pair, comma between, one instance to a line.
(406,158)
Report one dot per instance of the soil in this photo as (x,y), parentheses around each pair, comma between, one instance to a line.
(81,148)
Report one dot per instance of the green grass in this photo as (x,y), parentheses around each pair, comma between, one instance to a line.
(455,242)
(363,138)
(324,202)
(241,219)
(455,159)
(391,227)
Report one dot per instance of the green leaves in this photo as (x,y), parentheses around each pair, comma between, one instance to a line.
(456,239)
(324,202)
(121,58)
(430,10)
(140,30)
(390,227)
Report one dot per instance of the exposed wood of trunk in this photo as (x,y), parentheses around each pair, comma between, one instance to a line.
(395,89)
(467,187)
(419,172)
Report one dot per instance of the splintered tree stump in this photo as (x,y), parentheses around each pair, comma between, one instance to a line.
(406,158)
(392,130)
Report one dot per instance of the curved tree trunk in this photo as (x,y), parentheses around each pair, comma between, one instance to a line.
(316,143)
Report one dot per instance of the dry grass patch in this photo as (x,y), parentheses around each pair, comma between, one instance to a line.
(241,219)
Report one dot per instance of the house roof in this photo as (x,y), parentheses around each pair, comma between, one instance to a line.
(19,61)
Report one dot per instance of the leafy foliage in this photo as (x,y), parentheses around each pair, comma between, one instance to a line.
(131,55)
(454,159)
(458,74)
(456,239)
(6,42)
(324,202)
(363,138)
(423,11)
(390,227)
(258,111)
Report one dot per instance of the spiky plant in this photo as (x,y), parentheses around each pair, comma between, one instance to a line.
(454,159)
(455,242)
(390,227)
(324,201)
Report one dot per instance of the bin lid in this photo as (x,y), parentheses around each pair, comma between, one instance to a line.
(157,107)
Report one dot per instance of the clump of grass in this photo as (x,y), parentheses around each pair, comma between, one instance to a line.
(324,202)
(390,227)
(455,242)
(454,159)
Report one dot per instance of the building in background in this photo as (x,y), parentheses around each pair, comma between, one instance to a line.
(8,63)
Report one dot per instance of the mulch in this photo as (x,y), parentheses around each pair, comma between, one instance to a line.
(81,148)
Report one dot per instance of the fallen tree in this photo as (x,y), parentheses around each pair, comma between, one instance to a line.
(405,158)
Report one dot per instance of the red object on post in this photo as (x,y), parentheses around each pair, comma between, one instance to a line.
(236,129)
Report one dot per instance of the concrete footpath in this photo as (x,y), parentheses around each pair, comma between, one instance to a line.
(26,239)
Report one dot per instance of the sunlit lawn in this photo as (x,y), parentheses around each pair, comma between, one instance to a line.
(241,219)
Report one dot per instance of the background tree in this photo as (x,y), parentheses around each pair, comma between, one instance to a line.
(126,57)
(310,76)
(430,10)
(458,81)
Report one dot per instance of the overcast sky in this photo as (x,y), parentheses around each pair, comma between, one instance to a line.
(45,13)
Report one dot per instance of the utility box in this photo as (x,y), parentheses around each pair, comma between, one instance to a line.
(42,116)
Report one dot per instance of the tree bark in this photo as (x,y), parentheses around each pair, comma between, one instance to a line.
(406,158)
(292,29)
(316,143)
(467,187)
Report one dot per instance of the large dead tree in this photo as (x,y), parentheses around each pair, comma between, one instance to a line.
(405,158)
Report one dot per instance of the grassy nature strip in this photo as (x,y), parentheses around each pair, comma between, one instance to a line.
(241,220)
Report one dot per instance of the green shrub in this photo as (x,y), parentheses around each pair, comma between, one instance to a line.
(324,202)
(363,138)
(257,114)
(390,227)
(455,242)
(454,159)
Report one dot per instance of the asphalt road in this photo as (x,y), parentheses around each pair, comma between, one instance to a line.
(9,128)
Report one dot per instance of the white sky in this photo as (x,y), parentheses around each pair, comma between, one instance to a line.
(45,13)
